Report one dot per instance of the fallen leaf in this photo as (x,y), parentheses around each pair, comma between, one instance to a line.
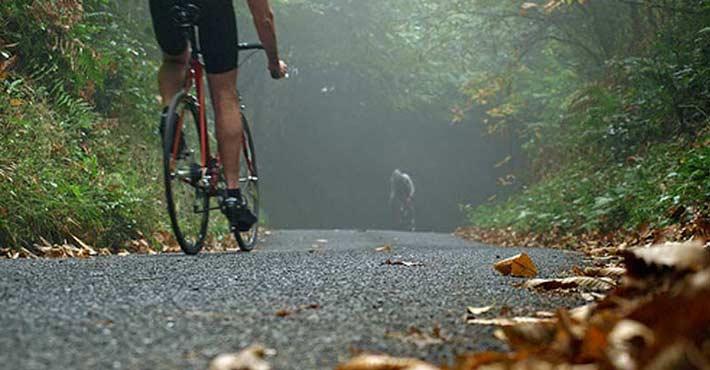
(544,314)
(510,321)
(626,340)
(582,313)
(284,312)
(392,262)
(681,355)
(519,265)
(571,283)
(85,246)
(384,248)
(252,358)
(418,337)
(686,256)
(475,311)
(382,362)
(593,345)
(604,271)
(478,360)
(591,297)
(16,102)
(27,254)
(530,336)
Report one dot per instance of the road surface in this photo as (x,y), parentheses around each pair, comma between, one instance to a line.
(315,297)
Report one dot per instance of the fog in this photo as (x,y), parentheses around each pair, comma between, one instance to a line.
(328,139)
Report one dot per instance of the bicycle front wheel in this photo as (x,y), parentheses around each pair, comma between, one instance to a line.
(187,199)
(249,183)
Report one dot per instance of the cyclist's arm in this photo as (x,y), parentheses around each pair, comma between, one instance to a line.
(263,17)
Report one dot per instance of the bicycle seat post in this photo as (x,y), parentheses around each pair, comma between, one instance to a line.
(185,14)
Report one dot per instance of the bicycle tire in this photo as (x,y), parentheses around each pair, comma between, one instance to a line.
(190,233)
(249,183)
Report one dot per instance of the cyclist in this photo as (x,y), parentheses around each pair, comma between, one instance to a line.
(218,43)
(402,199)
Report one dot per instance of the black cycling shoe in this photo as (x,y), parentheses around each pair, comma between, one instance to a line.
(239,216)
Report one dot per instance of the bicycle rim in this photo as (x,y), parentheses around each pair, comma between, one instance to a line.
(187,202)
(249,183)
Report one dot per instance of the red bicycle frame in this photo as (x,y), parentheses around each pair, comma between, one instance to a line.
(194,76)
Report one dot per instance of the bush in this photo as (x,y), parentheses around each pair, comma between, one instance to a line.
(76,112)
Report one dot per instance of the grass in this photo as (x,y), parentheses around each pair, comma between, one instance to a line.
(665,184)
(65,173)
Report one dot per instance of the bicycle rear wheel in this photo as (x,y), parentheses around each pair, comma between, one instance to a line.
(249,183)
(187,200)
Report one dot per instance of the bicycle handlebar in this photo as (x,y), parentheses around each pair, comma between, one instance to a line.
(250,46)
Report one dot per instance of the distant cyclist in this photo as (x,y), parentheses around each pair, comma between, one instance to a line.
(402,200)
(218,43)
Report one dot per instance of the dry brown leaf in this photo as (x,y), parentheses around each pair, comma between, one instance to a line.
(418,337)
(483,360)
(475,311)
(284,312)
(252,358)
(593,345)
(7,65)
(384,248)
(686,256)
(681,355)
(510,321)
(392,262)
(571,283)
(544,314)
(382,362)
(626,341)
(519,265)
(582,313)
(27,254)
(85,246)
(530,336)
(604,271)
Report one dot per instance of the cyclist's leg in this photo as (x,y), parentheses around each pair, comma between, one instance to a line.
(171,75)
(174,47)
(218,39)
(223,87)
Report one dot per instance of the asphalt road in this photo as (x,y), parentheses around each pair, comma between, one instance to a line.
(174,311)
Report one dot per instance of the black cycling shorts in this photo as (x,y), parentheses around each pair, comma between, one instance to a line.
(218,32)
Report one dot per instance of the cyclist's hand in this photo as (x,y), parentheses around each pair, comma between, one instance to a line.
(278,71)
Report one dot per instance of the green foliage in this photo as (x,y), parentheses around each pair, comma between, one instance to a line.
(612,122)
(76,112)
(589,197)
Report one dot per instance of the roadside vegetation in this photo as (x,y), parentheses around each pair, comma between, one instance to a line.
(612,118)
(76,125)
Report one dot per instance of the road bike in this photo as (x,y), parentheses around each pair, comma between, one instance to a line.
(404,214)
(193,174)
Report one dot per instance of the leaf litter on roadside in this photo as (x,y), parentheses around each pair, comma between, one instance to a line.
(251,358)
(383,362)
(285,312)
(419,337)
(386,248)
(475,311)
(656,318)
(520,265)
(398,262)
(585,282)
